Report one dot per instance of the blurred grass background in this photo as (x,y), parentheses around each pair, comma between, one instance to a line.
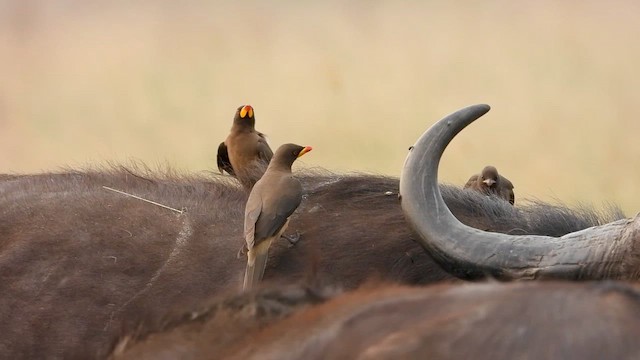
(83,82)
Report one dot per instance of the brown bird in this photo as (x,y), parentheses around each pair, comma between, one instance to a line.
(271,201)
(490,182)
(245,153)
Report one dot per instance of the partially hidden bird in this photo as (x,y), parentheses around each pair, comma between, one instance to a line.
(245,153)
(270,204)
(489,181)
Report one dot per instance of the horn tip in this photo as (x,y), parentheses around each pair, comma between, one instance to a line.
(481,107)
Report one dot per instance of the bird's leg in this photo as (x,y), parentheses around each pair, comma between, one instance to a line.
(293,239)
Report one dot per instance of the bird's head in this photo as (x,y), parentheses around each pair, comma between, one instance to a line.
(288,153)
(244,116)
(489,176)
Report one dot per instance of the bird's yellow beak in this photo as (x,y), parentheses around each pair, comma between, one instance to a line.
(489,182)
(246,110)
(305,150)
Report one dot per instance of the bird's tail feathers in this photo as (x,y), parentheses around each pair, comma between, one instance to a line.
(256,264)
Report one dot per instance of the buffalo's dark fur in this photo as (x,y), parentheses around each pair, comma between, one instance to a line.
(549,320)
(229,317)
(81,266)
(534,217)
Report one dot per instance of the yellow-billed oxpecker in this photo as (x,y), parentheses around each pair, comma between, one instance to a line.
(245,152)
(490,182)
(271,201)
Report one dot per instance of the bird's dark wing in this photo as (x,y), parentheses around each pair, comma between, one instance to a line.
(275,213)
(223,159)
(507,190)
(252,213)
(471,182)
(264,150)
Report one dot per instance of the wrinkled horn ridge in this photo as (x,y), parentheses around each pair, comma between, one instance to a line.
(602,252)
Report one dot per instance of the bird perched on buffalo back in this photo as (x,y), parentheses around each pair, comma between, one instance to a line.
(245,153)
(490,182)
(271,201)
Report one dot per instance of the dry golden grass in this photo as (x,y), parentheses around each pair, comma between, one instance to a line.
(86,81)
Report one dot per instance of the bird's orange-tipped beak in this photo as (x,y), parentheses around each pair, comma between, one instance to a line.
(246,110)
(305,150)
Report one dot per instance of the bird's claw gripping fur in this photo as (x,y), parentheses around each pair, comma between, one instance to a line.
(293,239)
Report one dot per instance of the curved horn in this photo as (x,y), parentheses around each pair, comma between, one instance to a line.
(606,251)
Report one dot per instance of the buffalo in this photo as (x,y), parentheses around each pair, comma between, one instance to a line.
(83,266)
